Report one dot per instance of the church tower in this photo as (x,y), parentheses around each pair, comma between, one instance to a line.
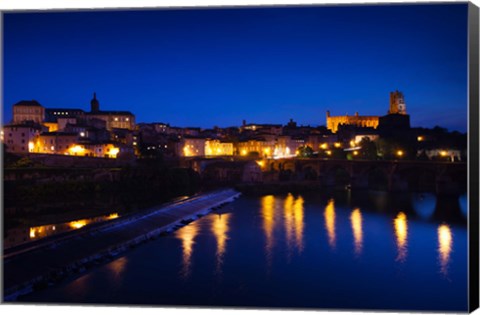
(397,103)
(94,104)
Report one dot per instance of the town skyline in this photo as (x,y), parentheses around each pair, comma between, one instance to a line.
(239,124)
(265,65)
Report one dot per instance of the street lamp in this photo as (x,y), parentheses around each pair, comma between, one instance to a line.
(399,153)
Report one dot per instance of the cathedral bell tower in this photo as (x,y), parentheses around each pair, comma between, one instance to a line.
(397,103)
(94,104)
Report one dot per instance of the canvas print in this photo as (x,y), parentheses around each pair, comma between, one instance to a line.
(310,157)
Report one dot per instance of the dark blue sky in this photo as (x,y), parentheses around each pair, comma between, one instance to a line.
(266,65)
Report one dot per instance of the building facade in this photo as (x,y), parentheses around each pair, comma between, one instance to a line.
(28,111)
(397,106)
(113,119)
(190,147)
(218,148)
(264,148)
(20,138)
(56,143)
(397,103)
(360,121)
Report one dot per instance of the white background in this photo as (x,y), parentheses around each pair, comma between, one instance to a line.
(81,310)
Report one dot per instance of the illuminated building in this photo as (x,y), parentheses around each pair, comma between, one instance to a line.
(264,148)
(286,146)
(443,154)
(19,138)
(333,122)
(190,147)
(397,103)
(104,150)
(52,126)
(54,114)
(56,143)
(113,119)
(25,111)
(217,148)
(397,107)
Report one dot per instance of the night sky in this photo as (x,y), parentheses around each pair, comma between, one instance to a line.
(217,67)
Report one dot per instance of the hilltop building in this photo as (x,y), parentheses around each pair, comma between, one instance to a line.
(19,138)
(28,111)
(397,103)
(397,107)
(113,119)
(69,131)
(333,122)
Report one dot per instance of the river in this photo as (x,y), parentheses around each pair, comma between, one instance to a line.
(331,250)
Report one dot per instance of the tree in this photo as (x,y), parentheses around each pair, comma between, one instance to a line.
(305,151)
(369,149)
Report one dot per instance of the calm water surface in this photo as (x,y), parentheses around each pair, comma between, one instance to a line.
(367,250)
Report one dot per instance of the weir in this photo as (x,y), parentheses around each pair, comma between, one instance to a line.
(50,260)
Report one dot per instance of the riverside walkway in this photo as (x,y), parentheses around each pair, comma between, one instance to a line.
(52,259)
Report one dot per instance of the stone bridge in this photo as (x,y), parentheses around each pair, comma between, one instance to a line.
(396,175)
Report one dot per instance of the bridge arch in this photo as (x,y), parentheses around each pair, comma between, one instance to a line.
(336,175)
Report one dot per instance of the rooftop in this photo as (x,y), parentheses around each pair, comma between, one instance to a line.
(110,112)
(28,103)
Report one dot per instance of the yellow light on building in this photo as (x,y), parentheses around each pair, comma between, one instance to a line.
(77,224)
(443,153)
(112,216)
(355,152)
(337,144)
(420,138)
(113,152)
(329,152)
(324,146)
(400,153)
(352,143)
(77,149)
(186,151)
(244,152)
(30,146)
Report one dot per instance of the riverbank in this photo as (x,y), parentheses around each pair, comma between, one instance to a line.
(48,261)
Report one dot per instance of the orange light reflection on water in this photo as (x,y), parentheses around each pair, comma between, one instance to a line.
(356,221)
(329,216)
(400,224)
(268,215)
(187,235)
(220,230)
(445,244)
(299,223)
